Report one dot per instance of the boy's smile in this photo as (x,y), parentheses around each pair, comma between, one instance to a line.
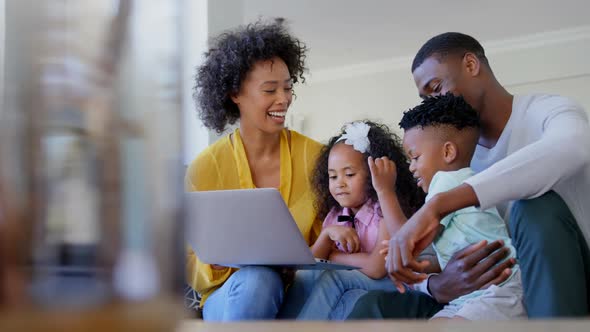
(425,151)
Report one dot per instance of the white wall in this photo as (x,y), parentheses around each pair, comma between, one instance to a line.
(573,87)
(203,20)
(552,62)
(224,15)
(2,31)
(381,89)
(194,33)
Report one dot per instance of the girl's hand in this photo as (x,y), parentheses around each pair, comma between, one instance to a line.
(383,174)
(385,249)
(345,236)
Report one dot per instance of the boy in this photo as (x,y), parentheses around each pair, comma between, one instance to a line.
(440,136)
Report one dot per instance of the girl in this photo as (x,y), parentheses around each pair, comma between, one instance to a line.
(364,190)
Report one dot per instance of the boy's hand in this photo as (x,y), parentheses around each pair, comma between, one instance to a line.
(383,174)
(345,236)
(385,252)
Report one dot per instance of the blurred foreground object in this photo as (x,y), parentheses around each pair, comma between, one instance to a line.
(90,168)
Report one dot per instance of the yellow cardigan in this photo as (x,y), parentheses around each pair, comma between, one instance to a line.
(224,165)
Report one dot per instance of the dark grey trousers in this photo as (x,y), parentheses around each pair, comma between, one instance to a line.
(553,256)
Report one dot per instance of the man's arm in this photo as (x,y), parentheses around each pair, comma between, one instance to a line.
(420,230)
(475,267)
(530,172)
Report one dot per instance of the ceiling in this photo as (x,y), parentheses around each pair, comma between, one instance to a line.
(348,32)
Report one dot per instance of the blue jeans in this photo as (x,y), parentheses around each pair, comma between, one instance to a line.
(335,293)
(300,290)
(250,293)
(298,293)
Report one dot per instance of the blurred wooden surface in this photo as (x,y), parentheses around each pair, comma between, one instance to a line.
(388,326)
(157,316)
(166,317)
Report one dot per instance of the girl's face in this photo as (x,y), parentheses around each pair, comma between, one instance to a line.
(265,95)
(348,173)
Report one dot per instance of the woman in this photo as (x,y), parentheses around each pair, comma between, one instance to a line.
(248,75)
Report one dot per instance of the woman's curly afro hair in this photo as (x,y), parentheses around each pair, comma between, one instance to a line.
(231,57)
(383,143)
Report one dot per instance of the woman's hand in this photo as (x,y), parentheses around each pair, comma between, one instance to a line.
(345,236)
(383,174)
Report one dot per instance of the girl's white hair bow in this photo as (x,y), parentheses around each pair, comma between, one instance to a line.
(357,135)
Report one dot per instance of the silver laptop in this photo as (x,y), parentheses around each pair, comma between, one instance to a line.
(248,227)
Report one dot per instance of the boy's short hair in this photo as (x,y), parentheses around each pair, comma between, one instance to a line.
(453,118)
(443,110)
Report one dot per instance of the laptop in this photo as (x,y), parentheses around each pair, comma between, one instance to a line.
(244,227)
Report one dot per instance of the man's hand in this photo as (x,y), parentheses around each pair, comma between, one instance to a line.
(475,267)
(383,174)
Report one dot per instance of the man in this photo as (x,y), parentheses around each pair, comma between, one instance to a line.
(534,152)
